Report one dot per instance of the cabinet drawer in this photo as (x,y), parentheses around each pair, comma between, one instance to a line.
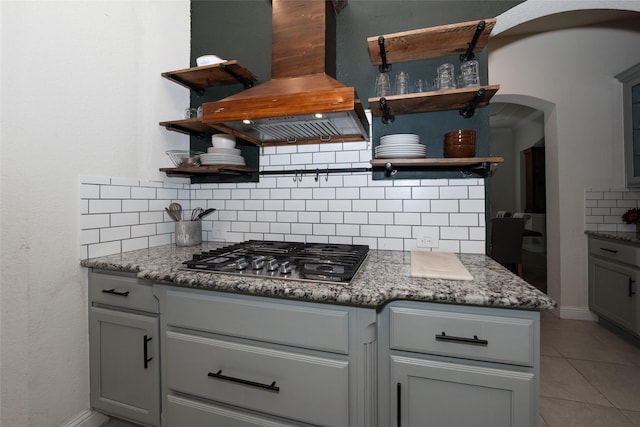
(614,251)
(295,325)
(284,384)
(186,412)
(471,336)
(120,291)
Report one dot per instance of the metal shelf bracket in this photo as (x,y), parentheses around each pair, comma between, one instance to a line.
(471,108)
(387,117)
(384,67)
(247,83)
(472,45)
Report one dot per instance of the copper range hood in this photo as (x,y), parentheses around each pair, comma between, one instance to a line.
(303,102)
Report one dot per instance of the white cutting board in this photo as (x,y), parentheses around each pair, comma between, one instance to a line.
(438,265)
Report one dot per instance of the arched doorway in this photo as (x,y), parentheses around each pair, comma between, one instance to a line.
(530,40)
(518,185)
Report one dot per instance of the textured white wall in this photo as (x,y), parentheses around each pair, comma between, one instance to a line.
(81,94)
(571,72)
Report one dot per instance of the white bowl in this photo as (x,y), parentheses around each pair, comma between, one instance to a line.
(208,60)
(221,140)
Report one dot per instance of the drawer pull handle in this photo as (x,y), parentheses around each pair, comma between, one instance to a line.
(398,404)
(613,251)
(631,291)
(145,351)
(114,292)
(475,340)
(270,387)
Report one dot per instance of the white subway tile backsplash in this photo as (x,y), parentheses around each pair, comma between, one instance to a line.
(340,205)
(267,216)
(135,244)
(281,227)
(105,206)
(143,230)
(143,193)
(130,218)
(153,217)
(89,191)
(336,207)
(102,249)
(114,192)
(445,206)
(167,193)
(380,218)
(89,236)
(94,221)
(286,216)
(114,233)
(135,205)
(397,193)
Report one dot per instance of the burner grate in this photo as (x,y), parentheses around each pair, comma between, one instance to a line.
(283,260)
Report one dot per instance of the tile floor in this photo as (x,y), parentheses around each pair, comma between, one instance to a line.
(589,376)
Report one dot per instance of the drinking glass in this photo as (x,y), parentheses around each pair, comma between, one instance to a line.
(383,85)
(446,79)
(402,83)
(469,72)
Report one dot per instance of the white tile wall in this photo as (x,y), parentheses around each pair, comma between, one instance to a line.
(604,208)
(120,215)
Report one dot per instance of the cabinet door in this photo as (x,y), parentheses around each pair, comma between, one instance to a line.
(442,394)
(612,292)
(125,365)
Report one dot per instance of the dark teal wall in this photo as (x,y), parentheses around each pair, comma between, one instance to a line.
(241,30)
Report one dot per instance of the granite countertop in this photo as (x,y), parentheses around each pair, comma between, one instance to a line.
(385,276)
(624,236)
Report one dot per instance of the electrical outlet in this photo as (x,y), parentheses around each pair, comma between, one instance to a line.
(427,238)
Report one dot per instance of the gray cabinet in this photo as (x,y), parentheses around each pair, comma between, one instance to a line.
(124,349)
(456,366)
(631,110)
(614,272)
(248,361)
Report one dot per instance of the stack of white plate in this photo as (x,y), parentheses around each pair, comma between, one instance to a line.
(400,145)
(223,152)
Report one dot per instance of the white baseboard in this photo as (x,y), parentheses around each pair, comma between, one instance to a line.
(87,418)
(577,313)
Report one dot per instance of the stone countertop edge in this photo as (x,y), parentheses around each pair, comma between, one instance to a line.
(384,277)
(624,236)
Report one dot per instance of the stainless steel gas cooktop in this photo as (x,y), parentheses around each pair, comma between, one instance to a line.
(335,263)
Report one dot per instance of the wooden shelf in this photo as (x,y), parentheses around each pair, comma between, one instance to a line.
(189,127)
(426,43)
(208,169)
(200,78)
(462,161)
(439,100)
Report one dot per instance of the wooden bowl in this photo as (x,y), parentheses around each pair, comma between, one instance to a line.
(460,150)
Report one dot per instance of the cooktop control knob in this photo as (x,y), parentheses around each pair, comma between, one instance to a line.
(241,264)
(272,264)
(285,267)
(257,263)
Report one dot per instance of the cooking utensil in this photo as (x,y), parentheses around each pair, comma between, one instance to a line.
(195,213)
(171,214)
(176,210)
(205,213)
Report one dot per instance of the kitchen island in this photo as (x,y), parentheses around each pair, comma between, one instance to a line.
(385,349)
